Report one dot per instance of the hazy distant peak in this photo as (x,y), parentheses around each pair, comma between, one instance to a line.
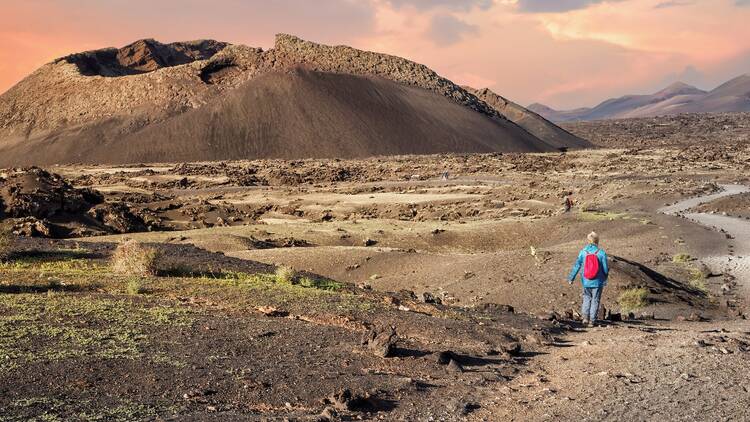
(677,98)
(539,107)
(678,88)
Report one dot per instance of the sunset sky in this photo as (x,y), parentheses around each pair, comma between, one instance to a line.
(563,53)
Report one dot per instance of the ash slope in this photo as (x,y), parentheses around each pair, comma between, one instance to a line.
(529,120)
(209,100)
(298,114)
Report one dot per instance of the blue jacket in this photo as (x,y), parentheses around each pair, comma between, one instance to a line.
(601,278)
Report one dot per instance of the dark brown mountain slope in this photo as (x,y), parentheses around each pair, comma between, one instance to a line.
(205,99)
(298,114)
(532,122)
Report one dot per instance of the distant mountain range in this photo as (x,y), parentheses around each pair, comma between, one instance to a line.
(731,96)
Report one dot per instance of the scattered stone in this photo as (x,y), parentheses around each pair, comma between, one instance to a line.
(494,308)
(465,408)
(696,317)
(329,414)
(428,297)
(408,294)
(346,400)
(549,316)
(612,316)
(445,357)
(454,366)
(700,343)
(31,227)
(271,311)
(647,315)
(381,343)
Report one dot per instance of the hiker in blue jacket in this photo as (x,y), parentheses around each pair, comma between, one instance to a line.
(593,260)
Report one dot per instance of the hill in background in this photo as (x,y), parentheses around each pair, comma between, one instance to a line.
(678,98)
(209,100)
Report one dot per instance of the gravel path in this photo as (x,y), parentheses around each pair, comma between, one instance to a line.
(737,260)
(645,370)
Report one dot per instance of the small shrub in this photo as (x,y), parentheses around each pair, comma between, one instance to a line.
(285,275)
(135,286)
(134,258)
(698,280)
(7,241)
(700,284)
(633,299)
(321,284)
(54,283)
(681,258)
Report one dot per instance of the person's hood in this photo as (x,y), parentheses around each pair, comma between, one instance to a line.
(591,248)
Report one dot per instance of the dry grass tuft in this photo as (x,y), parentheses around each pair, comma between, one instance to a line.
(633,299)
(134,258)
(285,275)
(681,258)
(135,286)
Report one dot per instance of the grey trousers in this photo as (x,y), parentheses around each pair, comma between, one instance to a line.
(591,299)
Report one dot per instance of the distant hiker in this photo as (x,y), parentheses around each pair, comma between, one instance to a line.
(568,204)
(444,176)
(593,260)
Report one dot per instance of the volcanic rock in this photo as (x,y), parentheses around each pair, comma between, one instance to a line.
(208,100)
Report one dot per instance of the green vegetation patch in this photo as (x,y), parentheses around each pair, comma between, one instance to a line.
(698,280)
(682,258)
(633,299)
(44,409)
(283,279)
(601,215)
(36,328)
(59,262)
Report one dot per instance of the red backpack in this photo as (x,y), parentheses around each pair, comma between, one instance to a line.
(591,265)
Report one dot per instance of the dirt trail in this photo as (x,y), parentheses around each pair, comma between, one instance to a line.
(645,370)
(737,260)
(676,371)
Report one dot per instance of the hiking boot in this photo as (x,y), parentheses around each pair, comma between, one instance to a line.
(586,322)
(590,324)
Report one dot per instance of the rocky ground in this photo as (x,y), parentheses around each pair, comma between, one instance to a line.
(427,288)
(679,131)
